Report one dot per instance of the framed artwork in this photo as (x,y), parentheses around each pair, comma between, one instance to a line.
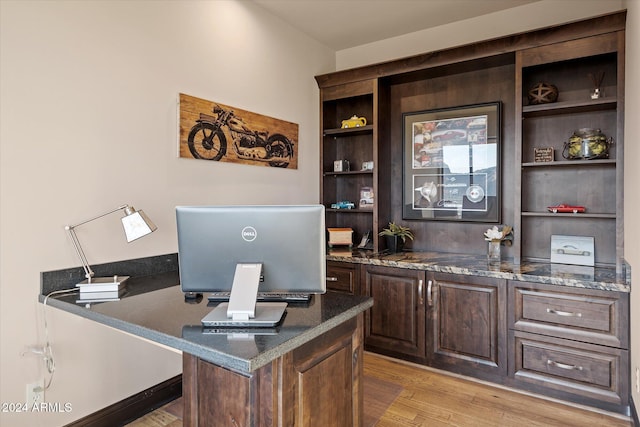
(451,168)
(217,132)
(576,250)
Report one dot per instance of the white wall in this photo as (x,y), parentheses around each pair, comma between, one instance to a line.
(540,14)
(88,122)
(631,179)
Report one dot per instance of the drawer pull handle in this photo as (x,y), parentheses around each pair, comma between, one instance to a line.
(563,313)
(420,295)
(563,365)
(430,292)
(332,279)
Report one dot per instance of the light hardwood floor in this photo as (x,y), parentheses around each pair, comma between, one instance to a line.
(431,398)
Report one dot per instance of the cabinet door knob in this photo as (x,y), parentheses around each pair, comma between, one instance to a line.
(430,292)
(420,295)
(563,313)
(332,279)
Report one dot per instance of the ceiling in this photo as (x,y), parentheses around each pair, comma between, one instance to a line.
(342,24)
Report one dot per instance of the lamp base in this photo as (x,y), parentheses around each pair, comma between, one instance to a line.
(115,281)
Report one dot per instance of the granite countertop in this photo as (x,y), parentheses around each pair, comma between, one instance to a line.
(154,308)
(599,278)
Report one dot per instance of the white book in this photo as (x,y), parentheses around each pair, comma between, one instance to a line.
(102,284)
(100,296)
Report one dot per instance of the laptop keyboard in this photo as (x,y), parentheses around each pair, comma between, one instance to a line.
(264,297)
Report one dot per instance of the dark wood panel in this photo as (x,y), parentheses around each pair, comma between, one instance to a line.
(396,324)
(326,379)
(343,277)
(478,51)
(214,402)
(335,111)
(598,317)
(489,85)
(536,235)
(292,390)
(579,48)
(348,90)
(554,130)
(579,372)
(467,322)
(335,401)
(577,187)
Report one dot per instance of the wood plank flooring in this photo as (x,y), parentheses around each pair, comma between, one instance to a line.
(433,398)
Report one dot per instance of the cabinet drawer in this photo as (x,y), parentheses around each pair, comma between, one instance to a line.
(591,316)
(564,366)
(342,277)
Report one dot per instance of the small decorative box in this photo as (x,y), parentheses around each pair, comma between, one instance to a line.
(340,236)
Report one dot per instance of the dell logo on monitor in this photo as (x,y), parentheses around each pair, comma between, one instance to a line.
(249,234)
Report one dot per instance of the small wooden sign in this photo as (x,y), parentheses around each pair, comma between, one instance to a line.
(543,154)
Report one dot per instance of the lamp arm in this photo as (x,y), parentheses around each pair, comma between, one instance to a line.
(99,216)
(88,273)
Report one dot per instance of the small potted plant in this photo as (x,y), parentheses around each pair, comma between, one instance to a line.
(396,235)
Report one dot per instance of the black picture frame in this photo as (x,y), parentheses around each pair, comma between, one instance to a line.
(451,168)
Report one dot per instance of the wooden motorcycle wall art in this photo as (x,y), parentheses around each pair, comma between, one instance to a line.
(213,131)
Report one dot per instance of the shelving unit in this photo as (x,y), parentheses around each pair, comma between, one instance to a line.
(594,184)
(524,335)
(357,145)
(502,69)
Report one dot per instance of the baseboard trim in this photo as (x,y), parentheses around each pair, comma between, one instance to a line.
(634,414)
(133,407)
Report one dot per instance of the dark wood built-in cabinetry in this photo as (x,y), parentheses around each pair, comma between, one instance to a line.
(501,70)
(566,342)
(595,184)
(449,321)
(356,145)
(570,343)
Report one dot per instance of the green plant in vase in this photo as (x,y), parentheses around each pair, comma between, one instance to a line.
(396,236)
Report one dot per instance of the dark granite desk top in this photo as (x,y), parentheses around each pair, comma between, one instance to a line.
(154,308)
(554,274)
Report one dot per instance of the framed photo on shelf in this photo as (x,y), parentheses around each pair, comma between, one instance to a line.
(451,168)
(576,250)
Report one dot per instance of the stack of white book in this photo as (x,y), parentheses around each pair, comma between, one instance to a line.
(102,289)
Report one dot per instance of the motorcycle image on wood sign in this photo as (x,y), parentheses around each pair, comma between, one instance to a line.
(235,135)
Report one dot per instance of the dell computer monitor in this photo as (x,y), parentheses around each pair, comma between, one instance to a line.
(289,242)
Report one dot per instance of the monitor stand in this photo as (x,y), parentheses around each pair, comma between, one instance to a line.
(242,309)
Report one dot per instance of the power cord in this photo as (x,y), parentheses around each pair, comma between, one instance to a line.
(47,351)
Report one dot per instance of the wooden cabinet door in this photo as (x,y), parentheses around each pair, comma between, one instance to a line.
(467,325)
(395,325)
(321,381)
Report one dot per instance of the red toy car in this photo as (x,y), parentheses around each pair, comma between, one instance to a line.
(566,208)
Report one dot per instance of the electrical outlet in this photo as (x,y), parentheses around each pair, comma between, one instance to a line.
(35,393)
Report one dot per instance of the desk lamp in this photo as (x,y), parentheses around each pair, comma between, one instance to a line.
(136,224)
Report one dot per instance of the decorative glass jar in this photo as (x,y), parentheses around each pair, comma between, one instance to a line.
(493,252)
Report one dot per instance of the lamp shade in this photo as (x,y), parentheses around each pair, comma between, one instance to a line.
(136,224)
